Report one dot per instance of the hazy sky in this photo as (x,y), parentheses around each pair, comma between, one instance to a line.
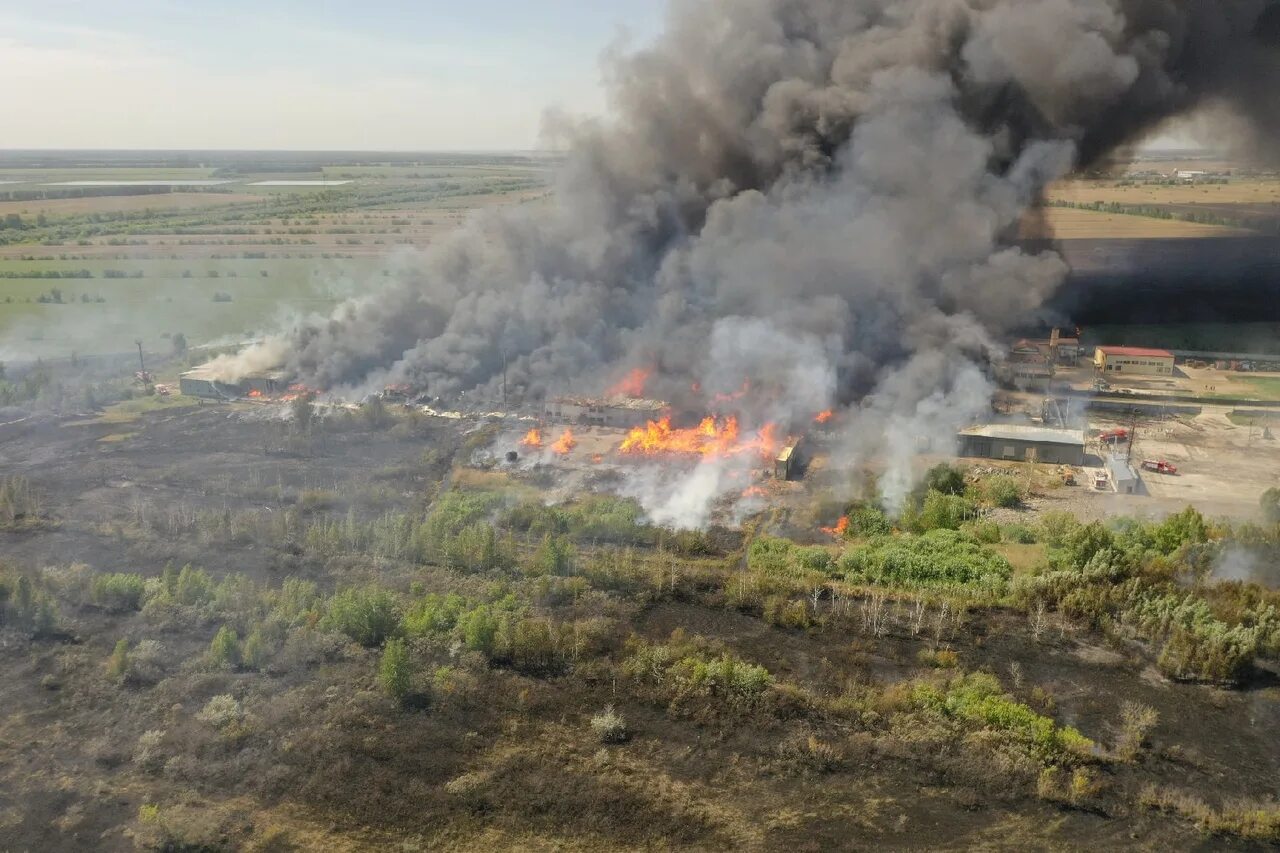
(318,74)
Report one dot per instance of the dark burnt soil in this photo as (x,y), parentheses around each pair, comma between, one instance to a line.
(96,480)
(513,753)
(1220,744)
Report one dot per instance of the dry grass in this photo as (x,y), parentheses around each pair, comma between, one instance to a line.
(1087,192)
(1066,223)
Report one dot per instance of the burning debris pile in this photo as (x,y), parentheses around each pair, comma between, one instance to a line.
(815,197)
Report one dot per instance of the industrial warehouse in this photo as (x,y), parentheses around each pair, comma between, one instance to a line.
(1023,443)
(204,382)
(1133,360)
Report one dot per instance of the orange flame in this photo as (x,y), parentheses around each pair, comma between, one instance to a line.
(256,394)
(825,417)
(840,529)
(597,459)
(532,439)
(712,437)
(632,385)
(755,492)
(565,443)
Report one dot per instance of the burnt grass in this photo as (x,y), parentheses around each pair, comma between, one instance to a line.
(503,756)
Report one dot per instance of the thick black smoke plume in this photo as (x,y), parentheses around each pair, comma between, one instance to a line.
(818,195)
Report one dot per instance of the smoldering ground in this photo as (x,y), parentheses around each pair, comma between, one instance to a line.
(841,178)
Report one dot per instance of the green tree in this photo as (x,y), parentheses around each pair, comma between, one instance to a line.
(179,344)
(1002,491)
(554,557)
(946,479)
(1184,528)
(118,663)
(366,615)
(394,672)
(254,653)
(224,651)
(1270,505)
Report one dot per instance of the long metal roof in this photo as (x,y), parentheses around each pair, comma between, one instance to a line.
(1026,432)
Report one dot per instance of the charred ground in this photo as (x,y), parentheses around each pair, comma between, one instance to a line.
(770,695)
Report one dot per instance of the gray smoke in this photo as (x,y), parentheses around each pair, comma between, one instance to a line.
(817,195)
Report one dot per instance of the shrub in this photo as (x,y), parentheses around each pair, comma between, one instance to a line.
(221,711)
(939,658)
(1270,504)
(1019,534)
(118,592)
(118,663)
(941,511)
(394,673)
(868,520)
(554,557)
(1056,527)
(255,653)
(147,662)
(224,651)
(1184,528)
(785,613)
(1002,491)
(813,559)
(946,479)
(617,521)
(148,754)
(609,726)
(771,556)
(938,559)
(368,615)
(1136,721)
(976,698)
(986,532)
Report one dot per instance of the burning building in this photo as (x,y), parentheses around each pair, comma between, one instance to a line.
(791,462)
(822,197)
(209,382)
(617,412)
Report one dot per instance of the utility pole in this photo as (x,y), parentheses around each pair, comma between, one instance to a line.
(1133,435)
(504,376)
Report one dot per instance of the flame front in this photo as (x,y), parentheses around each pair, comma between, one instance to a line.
(713,437)
(565,443)
(842,527)
(532,439)
(825,417)
(632,385)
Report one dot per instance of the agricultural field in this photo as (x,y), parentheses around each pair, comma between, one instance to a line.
(1064,223)
(1234,206)
(87,269)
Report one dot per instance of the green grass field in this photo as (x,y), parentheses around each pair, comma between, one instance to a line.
(155,272)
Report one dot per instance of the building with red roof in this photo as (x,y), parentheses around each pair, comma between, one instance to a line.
(1135,361)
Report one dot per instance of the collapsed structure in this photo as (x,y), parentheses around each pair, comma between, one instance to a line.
(619,412)
(207,382)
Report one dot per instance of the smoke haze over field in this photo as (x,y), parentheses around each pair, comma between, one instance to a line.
(816,195)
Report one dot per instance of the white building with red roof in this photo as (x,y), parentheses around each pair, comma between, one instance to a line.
(1133,361)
